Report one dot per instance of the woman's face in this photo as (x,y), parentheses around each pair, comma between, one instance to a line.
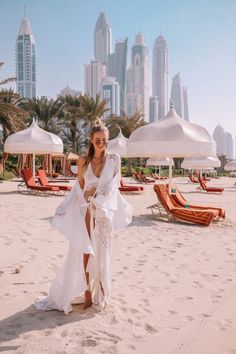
(99,141)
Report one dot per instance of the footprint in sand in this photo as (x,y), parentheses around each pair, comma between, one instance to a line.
(171,312)
(150,329)
(134,311)
(114,320)
(224,325)
(111,336)
(189,318)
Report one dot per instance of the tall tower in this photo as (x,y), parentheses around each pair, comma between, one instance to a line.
(117,63)
(185,103)
(229,145)
(160,75)
(93,75)
(25,61)
(219,137)
(102,39)
(110,91)
(139,73)
(176,96)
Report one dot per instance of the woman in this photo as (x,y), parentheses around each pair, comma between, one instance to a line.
(86,217)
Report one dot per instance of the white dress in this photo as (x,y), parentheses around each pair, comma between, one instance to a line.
(112,212)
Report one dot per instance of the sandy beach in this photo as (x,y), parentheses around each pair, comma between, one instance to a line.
(173,284)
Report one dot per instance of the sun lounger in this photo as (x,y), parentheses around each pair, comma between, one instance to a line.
(195,216)
(209,189)
(143,179)
(193,179)
(124,186)
(155,176)
(178,200)
(29,185)
(45,182)
(130,189)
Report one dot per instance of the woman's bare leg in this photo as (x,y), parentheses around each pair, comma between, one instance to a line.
(87,294)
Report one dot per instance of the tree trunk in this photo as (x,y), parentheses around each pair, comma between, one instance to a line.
(129,167)
(74,138)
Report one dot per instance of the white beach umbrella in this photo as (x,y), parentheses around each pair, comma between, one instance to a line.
(33,140)
(118,145)
(200,163)
(159,162)
(171,137)
(230,166)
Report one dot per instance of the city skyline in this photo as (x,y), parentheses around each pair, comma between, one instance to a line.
(203,51)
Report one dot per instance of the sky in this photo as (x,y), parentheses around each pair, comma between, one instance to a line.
(200,35)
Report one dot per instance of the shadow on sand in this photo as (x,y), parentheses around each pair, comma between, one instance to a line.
(31,319)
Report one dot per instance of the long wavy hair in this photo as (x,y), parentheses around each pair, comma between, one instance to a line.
(97,127)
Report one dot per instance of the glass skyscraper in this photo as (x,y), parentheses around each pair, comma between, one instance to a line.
(25,61)
(117,65)
(160,75)
(102,39)
(139,73)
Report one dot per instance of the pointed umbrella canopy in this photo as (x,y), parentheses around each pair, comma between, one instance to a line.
(118,145)
(200,163)
(33,140)
(171,137)
(230,166)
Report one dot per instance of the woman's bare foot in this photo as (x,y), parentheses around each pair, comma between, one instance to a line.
(88,299)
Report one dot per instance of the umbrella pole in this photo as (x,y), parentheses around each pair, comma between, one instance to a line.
(33,165)
(170,174)
(159,173)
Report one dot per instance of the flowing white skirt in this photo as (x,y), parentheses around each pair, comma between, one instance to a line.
(70,282)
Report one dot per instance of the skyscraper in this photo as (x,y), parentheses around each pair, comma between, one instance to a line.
(185,103)
(177,95)
(102,39)
(229,146)
(153,108)
(117,63)
(139,73)
(110,91)
(219,137)
(25,61)
(160,75)
(93,75)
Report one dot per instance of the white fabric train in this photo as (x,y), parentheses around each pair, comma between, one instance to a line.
(112,213)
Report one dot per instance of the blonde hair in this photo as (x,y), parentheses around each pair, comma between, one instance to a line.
(98,126)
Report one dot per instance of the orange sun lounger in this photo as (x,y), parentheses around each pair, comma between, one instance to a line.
(195,216)
(43,180)
(129,188)
(31,186)
(209,189)
(179,200)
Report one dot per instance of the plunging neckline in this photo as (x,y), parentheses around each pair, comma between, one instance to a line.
(101,170)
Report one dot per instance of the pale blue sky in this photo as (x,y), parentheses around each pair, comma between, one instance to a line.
(201,39)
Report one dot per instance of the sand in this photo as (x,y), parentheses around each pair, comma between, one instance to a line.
(173,284)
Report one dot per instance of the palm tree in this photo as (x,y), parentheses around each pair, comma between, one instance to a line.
(45,110)
(12,118)
(91,109)
(127,125)
(223,161)
(69,118)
